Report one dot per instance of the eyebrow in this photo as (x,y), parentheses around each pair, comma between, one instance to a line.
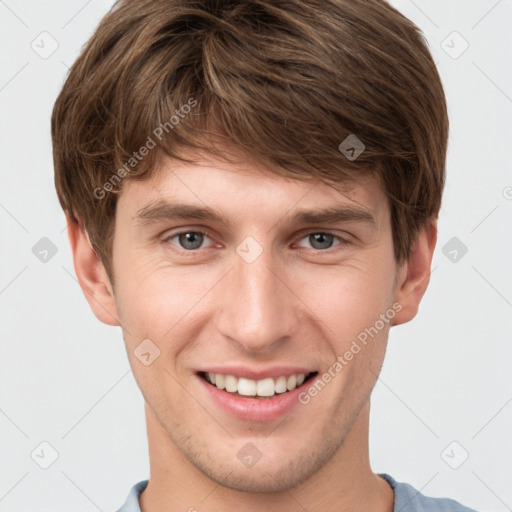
(165,211)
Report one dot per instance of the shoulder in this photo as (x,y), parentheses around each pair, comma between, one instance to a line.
(408,499)
(131,503)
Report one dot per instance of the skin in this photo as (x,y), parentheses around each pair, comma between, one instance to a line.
(297,304)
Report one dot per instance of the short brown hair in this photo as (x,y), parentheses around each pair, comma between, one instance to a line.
(287,81)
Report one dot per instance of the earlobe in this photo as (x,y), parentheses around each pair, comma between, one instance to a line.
(414,275)
(92,276)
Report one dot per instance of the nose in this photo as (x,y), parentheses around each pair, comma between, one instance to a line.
(257,309)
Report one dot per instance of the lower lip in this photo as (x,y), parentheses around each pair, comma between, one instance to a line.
(254,409)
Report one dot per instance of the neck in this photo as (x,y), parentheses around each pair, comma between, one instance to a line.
(345,482)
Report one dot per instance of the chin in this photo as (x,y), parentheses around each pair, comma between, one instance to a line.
(270,474)
(262,480)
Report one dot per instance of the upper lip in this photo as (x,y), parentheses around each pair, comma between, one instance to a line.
(257,373)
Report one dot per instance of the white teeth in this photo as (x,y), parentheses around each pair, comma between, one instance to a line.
(246,387)
(250,387)
(281,385)
(231,383)
(220,381)
(291,382)
(265,387)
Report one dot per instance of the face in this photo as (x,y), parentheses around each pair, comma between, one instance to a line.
(255,311)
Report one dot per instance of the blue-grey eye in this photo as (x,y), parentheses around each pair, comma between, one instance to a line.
(190,240)
(321,240)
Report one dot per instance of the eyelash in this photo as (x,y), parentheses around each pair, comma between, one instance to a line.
(193,252)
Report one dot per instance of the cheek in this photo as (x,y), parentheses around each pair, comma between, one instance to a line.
(157,301)
(156,308)
(347,299)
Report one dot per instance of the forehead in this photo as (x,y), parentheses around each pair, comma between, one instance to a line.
(245,186)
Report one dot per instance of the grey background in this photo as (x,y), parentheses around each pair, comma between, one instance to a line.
(65,378)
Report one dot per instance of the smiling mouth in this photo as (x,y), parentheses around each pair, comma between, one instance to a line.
(249,388)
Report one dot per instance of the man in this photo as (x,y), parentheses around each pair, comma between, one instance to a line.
(252,190)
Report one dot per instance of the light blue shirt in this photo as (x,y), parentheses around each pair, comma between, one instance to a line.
(407,499)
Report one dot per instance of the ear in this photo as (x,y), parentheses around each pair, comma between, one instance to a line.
(413,275)
(92,277)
